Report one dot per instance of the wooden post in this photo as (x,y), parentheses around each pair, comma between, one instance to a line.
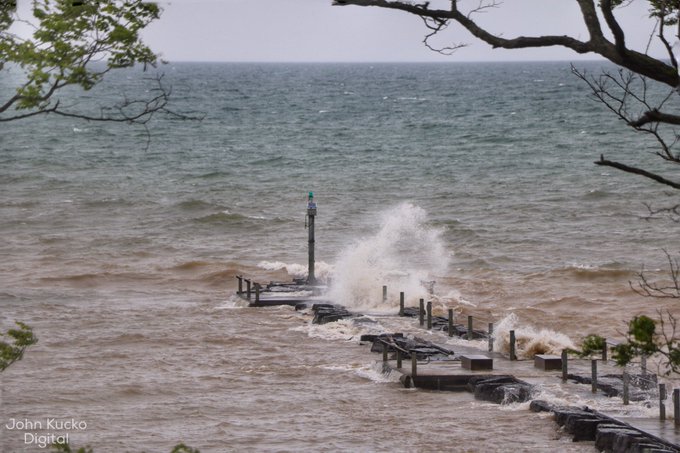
(604,351)
(399,358)
(421,313)
(384,293)
(490,337)
(676,407)
(240,284)
(257,293)
(662,402)
(414,365)
(565,365)
(429,315)
(512,345)
(593,371)
(469,329)
(401,303)
(248,288)
(384,352)
(450,322)
(643,364)
(626,388)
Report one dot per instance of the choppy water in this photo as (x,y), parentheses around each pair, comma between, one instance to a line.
(477,176)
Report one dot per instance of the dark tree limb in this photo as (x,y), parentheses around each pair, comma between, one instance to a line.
(628,58)
(637,171)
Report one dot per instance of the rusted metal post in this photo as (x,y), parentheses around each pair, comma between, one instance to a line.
(490,337)
(240,284)
(384,293)
(513,356)
(626,388)
(565,365)
(593,377)
(421,313)
(414,365)
(429,315)
(450,322)
(662,402)
(469,329)
(401,303)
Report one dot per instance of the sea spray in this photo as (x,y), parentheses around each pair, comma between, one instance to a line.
(529,341)
(405,254)
(322,271)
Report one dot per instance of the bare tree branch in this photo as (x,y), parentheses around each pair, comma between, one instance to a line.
(637,171)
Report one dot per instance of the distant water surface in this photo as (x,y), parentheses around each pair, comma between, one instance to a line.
(477,176)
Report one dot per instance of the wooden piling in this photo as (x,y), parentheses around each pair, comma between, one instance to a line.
(401,303)
(676,407)
(240,284)
(469,329)
(384,351)
(248,288)
(512,345)
(398,358)
(662,402)
(593,371)
(565,365)
(429,315)
(643,364)
(604,351)
(450,322)
(626,388)
(384,293)
(421,313)
(490,337)
(257,293)
(414,364)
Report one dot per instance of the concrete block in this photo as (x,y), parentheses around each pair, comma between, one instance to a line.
(476,362)
(547,362)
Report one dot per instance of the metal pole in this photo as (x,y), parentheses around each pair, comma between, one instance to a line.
(676,406)
(311,214)
(593,370)
(384,293)
(626,388)
(469,330)
(401,303)
(429,315)
(565,365)
(421,313)
(512,345)
(450,322)
(490,337)
(662,403)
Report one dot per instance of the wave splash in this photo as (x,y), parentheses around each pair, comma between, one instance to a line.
(405,254)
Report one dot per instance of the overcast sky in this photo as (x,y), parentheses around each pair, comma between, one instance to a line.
(314,30)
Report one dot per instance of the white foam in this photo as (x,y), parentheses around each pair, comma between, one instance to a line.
(322,270)
(343,330)
(404,254)
(529,341)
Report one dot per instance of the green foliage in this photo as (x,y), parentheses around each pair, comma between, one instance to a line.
(645,339)
(21,338)
(592,344)
(73,43)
